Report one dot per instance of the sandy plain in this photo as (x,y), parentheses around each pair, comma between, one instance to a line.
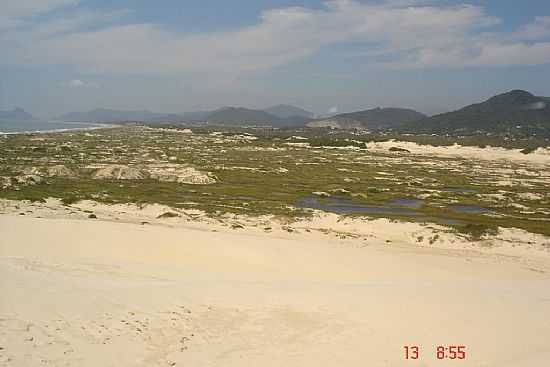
(130,289)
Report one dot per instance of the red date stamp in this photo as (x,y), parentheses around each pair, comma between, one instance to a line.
(448,352)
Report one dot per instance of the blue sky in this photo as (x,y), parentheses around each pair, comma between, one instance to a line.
(174,56)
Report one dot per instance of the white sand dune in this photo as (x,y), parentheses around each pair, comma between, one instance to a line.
(539,156)
(93,293)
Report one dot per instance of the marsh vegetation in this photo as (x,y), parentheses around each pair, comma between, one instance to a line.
(256,172)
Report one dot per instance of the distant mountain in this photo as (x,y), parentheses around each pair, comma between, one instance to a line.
(510,111)
(195,116)
(374,119)
(231,116)
(238,116)
(17,114)
(286,111)
(169,117)
(106,115)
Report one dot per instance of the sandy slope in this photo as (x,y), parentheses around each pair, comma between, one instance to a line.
(92,293)
(539,156)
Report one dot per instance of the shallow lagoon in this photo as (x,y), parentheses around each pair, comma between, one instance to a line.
(337,205)
(396,207)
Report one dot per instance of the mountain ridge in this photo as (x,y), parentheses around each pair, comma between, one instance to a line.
(503,112)
(17,114)
(516,109)
(231,116)
(240,116)
(285,111)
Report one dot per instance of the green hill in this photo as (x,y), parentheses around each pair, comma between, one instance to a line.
(516,110)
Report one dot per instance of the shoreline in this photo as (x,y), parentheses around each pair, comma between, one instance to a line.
(96,126)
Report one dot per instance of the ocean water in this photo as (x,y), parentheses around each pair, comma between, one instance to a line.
(10,126)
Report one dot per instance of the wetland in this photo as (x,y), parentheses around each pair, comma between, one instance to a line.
(268,172)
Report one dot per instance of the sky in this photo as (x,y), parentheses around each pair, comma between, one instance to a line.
(58,56)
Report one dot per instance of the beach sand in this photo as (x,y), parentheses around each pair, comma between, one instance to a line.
(84,292)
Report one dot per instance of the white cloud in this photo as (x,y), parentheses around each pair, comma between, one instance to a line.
(24,8)
(333,110)
(14,12)
(405,33)
(539,29)
(77,83)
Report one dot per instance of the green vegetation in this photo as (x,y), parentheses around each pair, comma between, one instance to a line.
(262,171)
(504,140)
(329,141)
(528,150)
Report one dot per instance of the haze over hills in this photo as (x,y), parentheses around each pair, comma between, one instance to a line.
(195,116)
(501,113)
(240,116)
(17,114)
(517,109)
(108,115)
(374,119)
(285,116)
(284,111)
